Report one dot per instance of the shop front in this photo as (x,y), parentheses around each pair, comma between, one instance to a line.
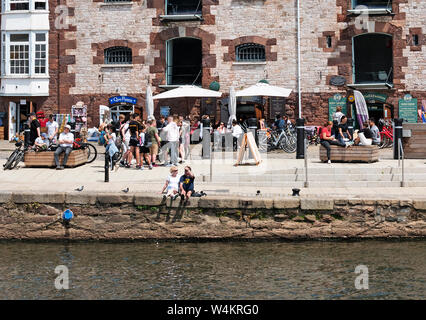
(17,114)
(119,105)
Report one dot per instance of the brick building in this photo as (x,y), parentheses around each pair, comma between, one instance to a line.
(105,52)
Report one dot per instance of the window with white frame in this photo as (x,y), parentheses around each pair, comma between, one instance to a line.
(19,53)
(373,4)
(24,53)
(40,53)
(22,5)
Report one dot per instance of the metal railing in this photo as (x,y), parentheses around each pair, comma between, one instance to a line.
(306,165)
(401,152)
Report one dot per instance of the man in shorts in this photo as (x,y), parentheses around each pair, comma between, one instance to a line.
(134,144)
(152,132)
(186,184)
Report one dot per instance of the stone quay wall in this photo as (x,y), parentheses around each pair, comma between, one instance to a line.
(122,217)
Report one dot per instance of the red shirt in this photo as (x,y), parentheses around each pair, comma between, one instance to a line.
(327,132)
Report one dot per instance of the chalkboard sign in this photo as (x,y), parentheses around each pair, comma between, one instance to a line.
(208,106)
(336,101)
(277,106)
(408,109)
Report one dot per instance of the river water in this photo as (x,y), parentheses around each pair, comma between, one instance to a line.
(215,270)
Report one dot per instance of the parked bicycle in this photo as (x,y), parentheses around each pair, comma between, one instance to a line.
(282,139)
(312,136)
(386,134)
(16,157)
(92,153)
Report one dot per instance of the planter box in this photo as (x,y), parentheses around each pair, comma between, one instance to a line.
(351,154)
(46,158)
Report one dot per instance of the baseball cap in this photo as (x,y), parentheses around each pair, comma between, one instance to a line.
(68,126)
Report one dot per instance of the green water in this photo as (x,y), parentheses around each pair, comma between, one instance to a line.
(265,270)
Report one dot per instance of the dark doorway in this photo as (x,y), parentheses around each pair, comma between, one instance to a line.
(373,58)
(179,7)
(184,61)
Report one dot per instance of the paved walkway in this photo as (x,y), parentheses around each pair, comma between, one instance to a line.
(151,181)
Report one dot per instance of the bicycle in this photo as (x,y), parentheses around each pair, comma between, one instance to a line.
(92,153)
(16,157)
(386,136)
(284,140)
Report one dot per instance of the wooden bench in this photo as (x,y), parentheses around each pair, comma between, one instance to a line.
(351,154)
(47,159)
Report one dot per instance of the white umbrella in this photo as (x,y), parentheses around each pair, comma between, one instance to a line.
(188,91)
(232,106)
(149,103)
(264,89)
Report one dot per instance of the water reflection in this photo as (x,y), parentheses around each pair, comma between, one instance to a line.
(305,270)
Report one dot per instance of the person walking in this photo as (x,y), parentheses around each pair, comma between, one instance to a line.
(327,139)
(172,132)
(134,144)
(152,132)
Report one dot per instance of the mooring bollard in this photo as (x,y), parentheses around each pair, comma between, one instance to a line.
(106,167)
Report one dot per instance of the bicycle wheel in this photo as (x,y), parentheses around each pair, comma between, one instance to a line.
(92,153)
(18,159)
(10,160)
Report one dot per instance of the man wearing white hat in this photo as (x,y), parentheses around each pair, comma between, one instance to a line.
(66,140)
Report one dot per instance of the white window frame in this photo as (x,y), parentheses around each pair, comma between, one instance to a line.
(5,43)
(6,5)
(357,9)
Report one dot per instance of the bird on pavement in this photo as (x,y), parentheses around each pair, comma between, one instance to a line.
(257,192)
(80,189)
(125,190)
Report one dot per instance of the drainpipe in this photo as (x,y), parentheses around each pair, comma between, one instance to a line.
(298,59)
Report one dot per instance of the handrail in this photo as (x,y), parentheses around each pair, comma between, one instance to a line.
(306,164)
(401,152)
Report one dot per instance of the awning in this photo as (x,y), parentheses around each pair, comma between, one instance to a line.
(264,89)
(188,92)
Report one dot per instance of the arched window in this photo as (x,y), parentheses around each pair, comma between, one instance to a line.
(118,55)
(250,52)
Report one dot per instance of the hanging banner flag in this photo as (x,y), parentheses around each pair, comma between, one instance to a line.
(361,108)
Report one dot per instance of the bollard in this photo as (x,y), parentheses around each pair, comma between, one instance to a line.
(206,138)
(397,125)
(351,127)
(106,167)
(300,129)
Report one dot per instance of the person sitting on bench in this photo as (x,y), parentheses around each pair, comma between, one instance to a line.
(327,139)
(66,140)
(365,136)
(41,143)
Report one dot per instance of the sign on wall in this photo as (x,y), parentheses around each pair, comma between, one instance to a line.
(122,99)
(208,106)
(165,111)
(277,106)
(336,101)
(408,108)
(373,97)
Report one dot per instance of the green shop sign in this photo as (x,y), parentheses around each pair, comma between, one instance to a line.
(334,102)
(408,108)
(373,97)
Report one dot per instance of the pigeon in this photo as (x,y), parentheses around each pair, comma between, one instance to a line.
(257,192)
(125,190)
(80,189)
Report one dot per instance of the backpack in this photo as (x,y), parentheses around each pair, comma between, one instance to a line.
(147,140)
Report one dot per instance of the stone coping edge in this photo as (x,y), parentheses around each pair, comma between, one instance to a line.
(210,202)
